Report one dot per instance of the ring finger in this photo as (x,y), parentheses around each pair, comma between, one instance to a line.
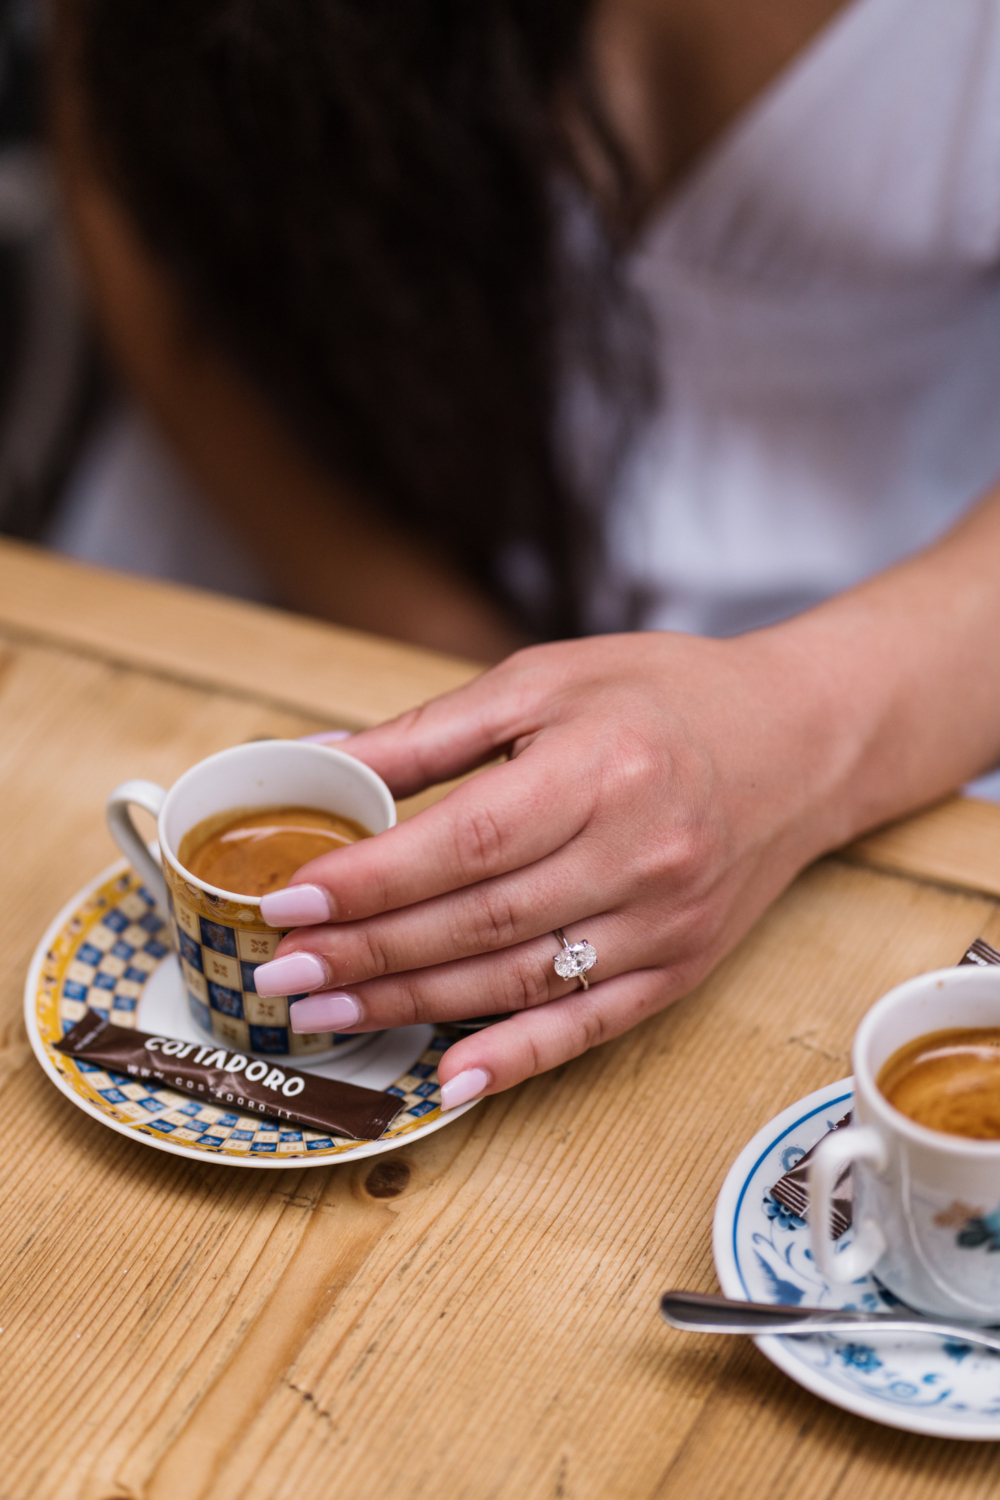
(516,978)
(496,914)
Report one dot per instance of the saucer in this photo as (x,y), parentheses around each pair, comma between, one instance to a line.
(107,950)
(927,1384)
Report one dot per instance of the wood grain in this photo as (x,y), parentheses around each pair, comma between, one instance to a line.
(481,1321)
(956,843)
(348,679)
(342,679)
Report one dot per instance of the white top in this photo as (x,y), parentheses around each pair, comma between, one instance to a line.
(826,300)
(826,303)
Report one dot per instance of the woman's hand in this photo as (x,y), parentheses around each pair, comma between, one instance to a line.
(660,791)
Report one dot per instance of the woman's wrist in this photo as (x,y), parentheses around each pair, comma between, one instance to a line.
(903,681)
(817,736)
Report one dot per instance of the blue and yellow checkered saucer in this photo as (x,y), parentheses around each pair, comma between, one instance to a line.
(107,950)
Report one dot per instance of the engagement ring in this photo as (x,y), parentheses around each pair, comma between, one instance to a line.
(574,959)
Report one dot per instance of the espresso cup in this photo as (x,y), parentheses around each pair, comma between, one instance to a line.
(220,935)
(926,1204)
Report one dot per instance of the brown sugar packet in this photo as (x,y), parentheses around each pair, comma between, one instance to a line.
(980,953)
(218,1075)
(792,1190)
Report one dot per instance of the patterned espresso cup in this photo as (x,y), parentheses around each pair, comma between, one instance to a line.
(220,935)
(926,1204)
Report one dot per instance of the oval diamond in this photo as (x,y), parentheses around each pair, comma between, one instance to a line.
(575,960)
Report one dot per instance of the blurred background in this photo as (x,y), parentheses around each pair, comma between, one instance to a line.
(72,445)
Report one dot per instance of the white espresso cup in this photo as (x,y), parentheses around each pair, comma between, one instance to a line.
(926,1204)
(220,936)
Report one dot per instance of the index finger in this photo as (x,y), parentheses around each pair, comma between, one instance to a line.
(462,729)
(508,816)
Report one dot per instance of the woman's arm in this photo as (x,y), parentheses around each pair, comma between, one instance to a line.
(662,790)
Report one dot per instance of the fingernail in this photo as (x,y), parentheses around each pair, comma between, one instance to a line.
(463,1087)
(333,1011)
(290,975)
(325,737)
(296,906)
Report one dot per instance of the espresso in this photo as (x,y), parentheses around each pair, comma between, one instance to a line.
(948,1080)
(258,850)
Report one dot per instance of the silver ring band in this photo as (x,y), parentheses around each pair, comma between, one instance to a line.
(574,959)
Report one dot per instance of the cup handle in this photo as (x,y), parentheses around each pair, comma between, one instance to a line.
(125,834)
(839,1150)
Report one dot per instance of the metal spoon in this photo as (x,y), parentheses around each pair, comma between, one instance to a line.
(697,1313)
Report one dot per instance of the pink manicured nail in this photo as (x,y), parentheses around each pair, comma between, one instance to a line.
(296,906)
(333,1011)
(325,737)
(463,1087)
(290,975)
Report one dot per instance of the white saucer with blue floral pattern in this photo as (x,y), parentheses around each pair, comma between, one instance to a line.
(937,1386)
(107,950)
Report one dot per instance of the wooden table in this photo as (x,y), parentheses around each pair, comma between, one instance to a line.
(481,1322)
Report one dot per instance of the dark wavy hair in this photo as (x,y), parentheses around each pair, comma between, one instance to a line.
(358,198)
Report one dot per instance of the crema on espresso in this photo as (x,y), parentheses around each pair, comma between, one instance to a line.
(948,1080)
(254,851)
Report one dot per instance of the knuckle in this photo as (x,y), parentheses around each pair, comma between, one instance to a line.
(418,740)
(590,1029)
(376,959)
(373,894)
(407,1003)
(494,922)
(687,851)
(683,857)
(479,843)
(697,927)
(689,935)
(680,980)
(535,1063)
(636,761)
(528,985)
